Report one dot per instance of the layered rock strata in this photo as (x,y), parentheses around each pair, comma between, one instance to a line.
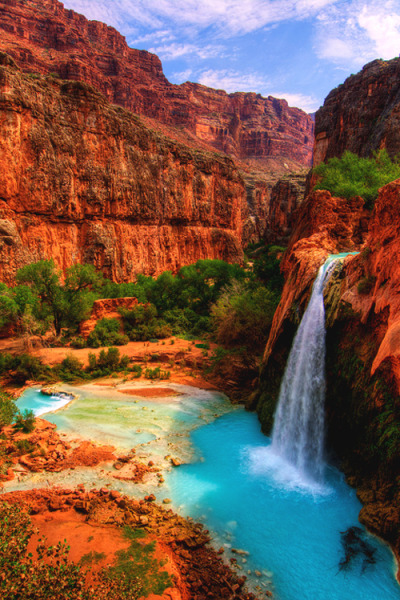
(44,37)
(86,181)
(363,361)
(362,114)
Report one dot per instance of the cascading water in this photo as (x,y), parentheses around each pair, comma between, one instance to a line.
(298,432)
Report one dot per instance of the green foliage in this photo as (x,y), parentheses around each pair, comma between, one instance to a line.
(27,367)
(78,342)
(266,265)
(352,175)
(6,362)
(70,369)
(65,305)
(8,308)
(25,421)
(136,370)
(107,333)
(51,575)
(8,409)
(44,279)
(141,323)
(137,563)
(244,316)
(107,362)
(157,373)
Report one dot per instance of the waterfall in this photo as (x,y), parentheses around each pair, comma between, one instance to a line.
(298,432)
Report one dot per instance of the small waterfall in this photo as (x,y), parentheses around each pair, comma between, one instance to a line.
(298,433)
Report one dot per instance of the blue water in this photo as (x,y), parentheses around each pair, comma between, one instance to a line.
(39,403)
(292,530)
(250,498)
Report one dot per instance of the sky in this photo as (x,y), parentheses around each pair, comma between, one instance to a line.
(293,49)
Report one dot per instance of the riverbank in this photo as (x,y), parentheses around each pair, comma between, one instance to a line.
(74,514)
(93,524)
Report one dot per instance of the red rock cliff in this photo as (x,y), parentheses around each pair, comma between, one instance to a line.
(325,225)
(362,114)
(44,37)
(86,181)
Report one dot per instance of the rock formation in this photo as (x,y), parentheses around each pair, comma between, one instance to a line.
(286,197)
(86,181)
(363,324)
(43,37)
(362,114)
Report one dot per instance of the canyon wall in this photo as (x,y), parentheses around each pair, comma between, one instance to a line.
(362,114)
(86,181)
(44,37)
(362,302)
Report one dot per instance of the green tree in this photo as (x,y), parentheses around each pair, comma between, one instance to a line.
(352,175)
(44,278)
(8,409)
(243,316)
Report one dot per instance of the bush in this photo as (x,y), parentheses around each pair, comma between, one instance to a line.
(70,369)
(352,175)
(25,421)
(107,333)
(28,367)
(6,362)
(243,316)
(107,362)
(8,409)
(136,370)
(78,342)
(157,373)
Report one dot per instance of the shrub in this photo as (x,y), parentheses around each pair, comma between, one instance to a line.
(25,421)
(242,316)
(108,361)
(71,368)
(352,175)
(107,333)
(157,373)
(28,367)
(137,371)
(78,342)
(8,409)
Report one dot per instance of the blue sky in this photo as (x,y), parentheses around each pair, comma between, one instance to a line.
(293,49)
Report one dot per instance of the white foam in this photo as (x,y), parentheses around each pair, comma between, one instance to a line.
(52,404)
(261,461)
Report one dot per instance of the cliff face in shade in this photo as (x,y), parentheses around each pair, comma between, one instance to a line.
(325,225)
(85,181)
(44,37)
(286,197)
(362,114)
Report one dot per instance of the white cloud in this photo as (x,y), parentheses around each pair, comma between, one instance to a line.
(233,81)
(175,50)
(353,33)
(229,17)
(382,27)
(307,103)
(181,76)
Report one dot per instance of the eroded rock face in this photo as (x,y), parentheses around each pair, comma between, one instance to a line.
(106,308)
(86,181)
(325,225)
(362,303)
(43,37)
(286,197)
(362,114)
